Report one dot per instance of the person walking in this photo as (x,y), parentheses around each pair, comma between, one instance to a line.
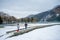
(26,25)
(17,27)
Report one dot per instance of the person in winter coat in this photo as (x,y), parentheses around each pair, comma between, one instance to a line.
(17,27)
(26,25)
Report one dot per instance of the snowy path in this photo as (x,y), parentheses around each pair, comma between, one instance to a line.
(48,33)
(22,31)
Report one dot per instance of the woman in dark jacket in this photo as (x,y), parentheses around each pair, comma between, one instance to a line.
(26,25)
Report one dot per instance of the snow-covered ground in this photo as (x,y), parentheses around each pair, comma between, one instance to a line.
(10,28)
(48,33)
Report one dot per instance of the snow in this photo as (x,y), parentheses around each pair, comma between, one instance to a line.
(48,33)
(9,28)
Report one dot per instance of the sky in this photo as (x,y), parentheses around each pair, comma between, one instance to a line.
(23,8)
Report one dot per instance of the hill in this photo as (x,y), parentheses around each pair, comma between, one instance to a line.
(52,15)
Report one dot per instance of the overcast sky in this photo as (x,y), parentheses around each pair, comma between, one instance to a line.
(23,8)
